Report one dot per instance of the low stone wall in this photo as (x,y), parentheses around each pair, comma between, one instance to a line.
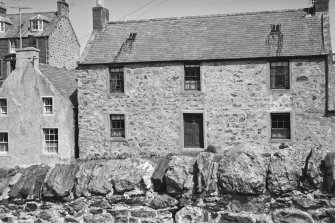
(238,186)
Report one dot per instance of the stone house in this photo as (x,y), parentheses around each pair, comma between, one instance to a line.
(38,113)
(178,85)
(50,32)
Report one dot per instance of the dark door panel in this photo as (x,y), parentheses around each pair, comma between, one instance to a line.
(193,131)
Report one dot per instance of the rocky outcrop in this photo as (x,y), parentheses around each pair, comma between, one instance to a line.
(283,174)
(179,176)
(242,172)
(239,186)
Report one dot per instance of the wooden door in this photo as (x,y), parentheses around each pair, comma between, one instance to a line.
(193,131)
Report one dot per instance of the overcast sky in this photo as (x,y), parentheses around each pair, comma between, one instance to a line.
(81,10)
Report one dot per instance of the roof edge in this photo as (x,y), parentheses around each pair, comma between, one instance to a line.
(206,16)
(206,60)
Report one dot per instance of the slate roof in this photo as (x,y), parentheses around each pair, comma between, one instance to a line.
(231,36)
(63,80)
(14,30)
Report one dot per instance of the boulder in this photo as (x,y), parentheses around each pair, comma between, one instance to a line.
(83,178)
(228,217)
(99,218)
(8,178)
(179,176)
(60,180)
(205,173)
(190,214)
(283,174)
(162,201)
(312,175)
(328,168)
(122,175)
(31,183)
(159,173)
(242,172)
(291,216)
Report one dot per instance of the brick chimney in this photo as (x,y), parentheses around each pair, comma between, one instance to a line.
(3,10)
(63,8)
(25,56)
(100,16)
(321,5)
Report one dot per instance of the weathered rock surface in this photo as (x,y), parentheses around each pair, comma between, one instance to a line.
(291,216)
(60,180)
(162,201)
(242,172)
(31,183)
(283,175)
(228,217)
(121,175)
(312,175)
(205,173)
(157,177)
(190,214)
(179,176)
(329,170)
(83,178)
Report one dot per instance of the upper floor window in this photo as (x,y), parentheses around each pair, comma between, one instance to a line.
(116,80)
(117,125)
(192,77)
(13,45)
(36,25)
(50,140)
(3,142)
(48,105)
(279,75)
(3,106)
(2,27)
(280,126)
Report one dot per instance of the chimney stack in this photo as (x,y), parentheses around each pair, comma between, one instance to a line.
(62,8)
(25,56)
(321,5)
(100,16)
(3,10)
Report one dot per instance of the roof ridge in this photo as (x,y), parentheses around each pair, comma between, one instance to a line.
(26,13)
(205,16)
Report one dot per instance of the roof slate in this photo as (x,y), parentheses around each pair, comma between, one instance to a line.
(231,36)
(14,29)
(63,80)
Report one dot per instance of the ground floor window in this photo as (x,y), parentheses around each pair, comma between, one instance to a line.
(280,126)
(193,130)
(50,140)
(117,125)
(3,142)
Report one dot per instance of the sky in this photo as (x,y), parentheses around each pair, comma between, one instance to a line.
(81,10)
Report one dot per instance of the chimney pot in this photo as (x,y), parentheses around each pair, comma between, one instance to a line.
(26,56)
(100,17)
(3,10)
(62,8)
(100,3)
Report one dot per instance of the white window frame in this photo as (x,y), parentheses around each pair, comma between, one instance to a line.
(12,45)
(2,27)
(4,143)
(36,25)
(3,112)
(47,144)
(45,105)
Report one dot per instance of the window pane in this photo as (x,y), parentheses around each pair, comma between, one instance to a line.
(280,126)
(117,126)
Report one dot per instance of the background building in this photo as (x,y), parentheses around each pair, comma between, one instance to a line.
(51,32)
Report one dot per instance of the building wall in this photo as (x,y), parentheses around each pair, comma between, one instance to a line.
(236,102)
(4,49)
(25,120)
(64,49)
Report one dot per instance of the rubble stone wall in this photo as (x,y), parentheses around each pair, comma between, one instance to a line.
(236,101)
(64,48)
(238,186)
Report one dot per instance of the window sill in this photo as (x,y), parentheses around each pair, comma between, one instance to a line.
(117,94)
(280,90)
(192,150)
(4,155)
(192,92)
(280,140)
(48,114)
(50,154)
(117,139)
